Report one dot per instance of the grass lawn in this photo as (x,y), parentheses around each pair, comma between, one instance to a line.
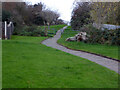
(106,50)
(28,64)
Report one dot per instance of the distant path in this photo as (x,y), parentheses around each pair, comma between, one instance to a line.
(52,42)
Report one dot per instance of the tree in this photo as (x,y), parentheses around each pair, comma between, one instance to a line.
(16,10)
(25,13)
(29,14)
(6,15)
(80,15)
(104,12)
(37,9)
(118,15)
(49,17)
(59,21)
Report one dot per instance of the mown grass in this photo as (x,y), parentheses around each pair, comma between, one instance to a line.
(106,50)
(28,64)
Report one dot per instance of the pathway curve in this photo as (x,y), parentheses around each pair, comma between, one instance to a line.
(52,42)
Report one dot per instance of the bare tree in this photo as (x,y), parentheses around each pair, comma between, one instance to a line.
(49,18)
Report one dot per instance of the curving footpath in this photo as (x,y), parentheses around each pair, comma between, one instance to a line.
(52,42)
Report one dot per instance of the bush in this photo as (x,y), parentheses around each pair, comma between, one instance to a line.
(110,37)
(29,31)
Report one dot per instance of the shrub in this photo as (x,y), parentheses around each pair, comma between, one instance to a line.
(110,37)
(29,31)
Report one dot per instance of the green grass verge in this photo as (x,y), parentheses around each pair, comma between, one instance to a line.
(28,64)
(106,50)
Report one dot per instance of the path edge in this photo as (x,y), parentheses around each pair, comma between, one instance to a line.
(50,37)
(81,50)
(90,53)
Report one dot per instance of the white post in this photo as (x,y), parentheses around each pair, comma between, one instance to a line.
(5,30)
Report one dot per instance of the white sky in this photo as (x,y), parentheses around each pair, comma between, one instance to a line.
(64,7)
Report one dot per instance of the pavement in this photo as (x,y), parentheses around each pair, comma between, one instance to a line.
(108,63)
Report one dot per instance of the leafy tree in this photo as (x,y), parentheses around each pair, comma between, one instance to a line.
(38,20)
(81,15)
(6,15)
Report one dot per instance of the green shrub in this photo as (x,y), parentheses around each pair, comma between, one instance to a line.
(110,37)
(29,31)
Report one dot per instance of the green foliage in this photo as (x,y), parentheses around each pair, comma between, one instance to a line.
(36,30)
(110,37)
(30,31)
(6,15)
(28,64)
(25,14)
(38,20)
(81,15)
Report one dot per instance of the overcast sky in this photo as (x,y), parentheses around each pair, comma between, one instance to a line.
(64,7)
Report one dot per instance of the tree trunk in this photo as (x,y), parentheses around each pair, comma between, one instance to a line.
(45,29)
(48,25)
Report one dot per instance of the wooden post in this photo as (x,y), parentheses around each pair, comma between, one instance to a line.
(5,30)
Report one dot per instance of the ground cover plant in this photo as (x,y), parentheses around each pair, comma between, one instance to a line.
(29,64)
(102,49)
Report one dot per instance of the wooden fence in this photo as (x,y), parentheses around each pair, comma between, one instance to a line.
(7,30)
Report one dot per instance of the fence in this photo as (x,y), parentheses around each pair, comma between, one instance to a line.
(7,30)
